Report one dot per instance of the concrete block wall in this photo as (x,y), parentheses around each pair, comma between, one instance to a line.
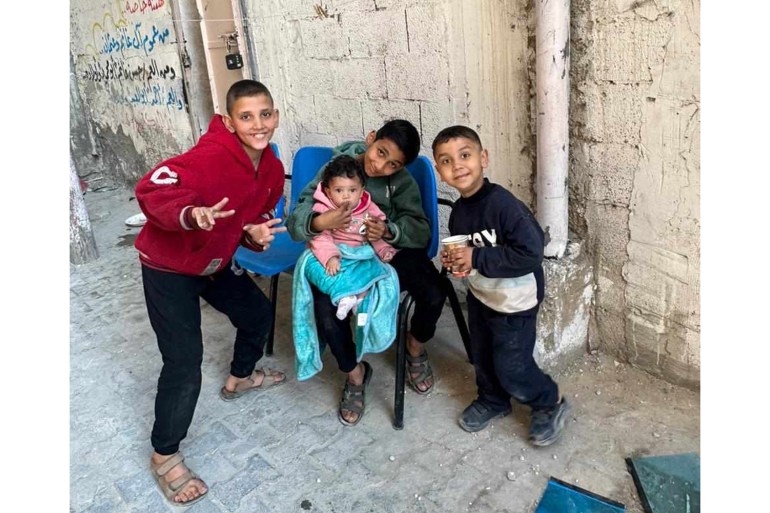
(342,68)
(634,180)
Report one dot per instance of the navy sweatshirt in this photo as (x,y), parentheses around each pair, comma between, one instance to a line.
(508,238)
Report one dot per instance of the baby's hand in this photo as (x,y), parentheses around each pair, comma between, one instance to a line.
(332,266)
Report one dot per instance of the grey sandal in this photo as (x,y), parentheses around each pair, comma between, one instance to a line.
(352,395)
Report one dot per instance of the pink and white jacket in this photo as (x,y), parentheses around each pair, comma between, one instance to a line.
(324,245)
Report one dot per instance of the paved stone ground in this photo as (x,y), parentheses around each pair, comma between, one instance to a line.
(285,451)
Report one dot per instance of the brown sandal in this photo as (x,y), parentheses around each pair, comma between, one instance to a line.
(170,490)
(247,385)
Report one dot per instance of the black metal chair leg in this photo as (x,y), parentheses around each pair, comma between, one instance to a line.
(457,310)
(274,303)
(401,327)
(462,326)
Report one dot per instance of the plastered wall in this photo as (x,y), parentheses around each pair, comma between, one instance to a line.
(635,176)
(129,87)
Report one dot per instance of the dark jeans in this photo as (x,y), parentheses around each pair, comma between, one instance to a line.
(418,276)
(173,307)
(502,347)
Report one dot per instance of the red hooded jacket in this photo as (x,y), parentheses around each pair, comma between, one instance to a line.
(215,168)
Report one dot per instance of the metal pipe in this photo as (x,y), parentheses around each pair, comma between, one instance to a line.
(553,87)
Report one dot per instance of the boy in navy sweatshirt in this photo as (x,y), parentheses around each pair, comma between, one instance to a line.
(505,289)
(200,206)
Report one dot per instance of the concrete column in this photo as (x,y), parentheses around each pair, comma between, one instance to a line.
(552,82)
(82,243)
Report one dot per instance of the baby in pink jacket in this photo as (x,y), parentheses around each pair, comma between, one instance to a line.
(343,182)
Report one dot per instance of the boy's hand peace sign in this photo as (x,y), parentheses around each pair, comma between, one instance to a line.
(264,234)
(206,216)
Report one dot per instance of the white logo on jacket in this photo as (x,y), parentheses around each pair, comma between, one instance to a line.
(159,174)
(490,237)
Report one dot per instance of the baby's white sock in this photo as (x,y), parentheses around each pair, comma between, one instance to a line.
(345,305)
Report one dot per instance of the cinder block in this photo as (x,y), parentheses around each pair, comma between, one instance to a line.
(316,139)
(613,113)
(323,38)
(312,76)
(611,173)
(625,49)
(301,110)
(376,34)
(434,117)
(360,78)
(417,76)
(427,30)
(377,112)
(339,116)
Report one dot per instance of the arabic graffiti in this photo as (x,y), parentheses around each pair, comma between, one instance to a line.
(120,69)
(124,40)
(143,5)
(157,95)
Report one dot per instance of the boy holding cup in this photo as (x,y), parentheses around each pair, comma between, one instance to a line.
(503,264)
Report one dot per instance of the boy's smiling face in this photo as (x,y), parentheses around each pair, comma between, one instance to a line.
(254,120)
(382,157)
(461,163)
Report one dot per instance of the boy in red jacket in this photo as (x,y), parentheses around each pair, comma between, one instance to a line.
(186,248)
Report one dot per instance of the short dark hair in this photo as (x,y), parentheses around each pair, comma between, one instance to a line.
(454,132)
(404,135)
(345,166)
(243,88)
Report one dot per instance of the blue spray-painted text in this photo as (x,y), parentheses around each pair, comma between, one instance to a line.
(156,95)
(125,41)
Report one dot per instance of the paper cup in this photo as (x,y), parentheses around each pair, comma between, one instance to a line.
(456,241)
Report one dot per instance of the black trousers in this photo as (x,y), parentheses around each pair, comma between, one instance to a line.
(173,307)
(418,276)
(502,347)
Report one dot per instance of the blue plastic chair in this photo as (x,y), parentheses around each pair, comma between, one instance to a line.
(284,252)
(422,172)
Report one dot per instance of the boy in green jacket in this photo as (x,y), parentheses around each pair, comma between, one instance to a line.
(384,154)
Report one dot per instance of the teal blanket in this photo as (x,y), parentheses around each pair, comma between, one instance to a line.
(360,270)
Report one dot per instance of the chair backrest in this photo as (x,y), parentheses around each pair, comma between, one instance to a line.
(422,172)
(307,162)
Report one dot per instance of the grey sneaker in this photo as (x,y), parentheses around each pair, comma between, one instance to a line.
(477,415)
(547,424)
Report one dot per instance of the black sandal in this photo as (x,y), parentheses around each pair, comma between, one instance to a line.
(422,365)
(352,395)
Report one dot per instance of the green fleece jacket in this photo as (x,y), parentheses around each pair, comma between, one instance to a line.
(397,195)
